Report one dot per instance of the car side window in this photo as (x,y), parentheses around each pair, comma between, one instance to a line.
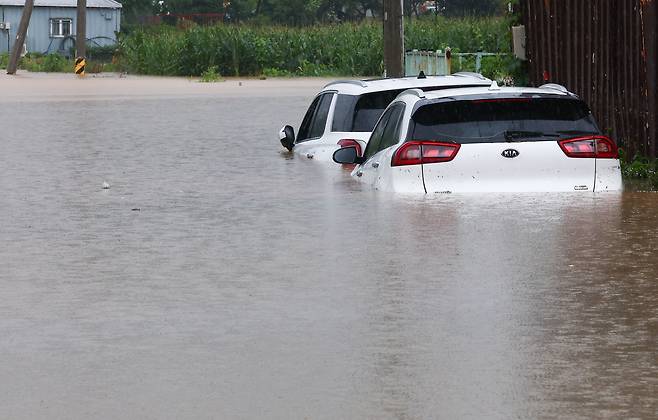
(391,134)
(305,127)
(320,119)
(377,134)
(315,119)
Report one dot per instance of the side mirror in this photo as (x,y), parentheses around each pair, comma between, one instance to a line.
(346,155)
(287,137)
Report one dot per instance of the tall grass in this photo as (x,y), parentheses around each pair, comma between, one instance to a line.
(56,63)
(346,49)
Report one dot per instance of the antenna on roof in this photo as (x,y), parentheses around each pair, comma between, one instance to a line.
(421,75)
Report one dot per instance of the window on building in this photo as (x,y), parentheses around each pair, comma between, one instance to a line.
(60,27)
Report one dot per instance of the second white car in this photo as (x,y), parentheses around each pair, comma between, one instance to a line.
(345,112)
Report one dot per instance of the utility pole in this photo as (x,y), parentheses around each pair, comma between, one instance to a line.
(393,38)
(81,30)
(20,37)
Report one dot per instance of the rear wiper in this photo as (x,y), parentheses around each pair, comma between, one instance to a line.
(577,132)
(511,135)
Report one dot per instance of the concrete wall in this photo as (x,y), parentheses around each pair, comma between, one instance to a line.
(101,27)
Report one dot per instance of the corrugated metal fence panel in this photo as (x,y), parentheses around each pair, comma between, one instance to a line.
(604,51)
(432,63)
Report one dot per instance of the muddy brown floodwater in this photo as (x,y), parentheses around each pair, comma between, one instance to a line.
(219,277)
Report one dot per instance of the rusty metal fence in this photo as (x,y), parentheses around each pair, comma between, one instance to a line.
(604,51)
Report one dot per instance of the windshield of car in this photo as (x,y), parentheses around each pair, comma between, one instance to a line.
(503,120)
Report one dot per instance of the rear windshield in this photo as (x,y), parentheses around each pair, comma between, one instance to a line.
(359,113)
(500,120)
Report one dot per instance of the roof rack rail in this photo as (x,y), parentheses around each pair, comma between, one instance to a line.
(359,83)
(554,86)
(469,74)
(416,92)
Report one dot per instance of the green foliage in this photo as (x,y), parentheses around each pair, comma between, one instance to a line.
(639,167)
(327,50)
(307,12)
(100,67)
(270,72)
(192,6)
(304,12)
(210,75)
(101,53)
(51,63)
(469,35)
(291,12)
(55,63)
(471,7)
(241,10)
(131,10)
(462,34)
(247,50)
(153,51)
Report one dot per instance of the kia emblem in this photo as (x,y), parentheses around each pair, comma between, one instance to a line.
(510,153)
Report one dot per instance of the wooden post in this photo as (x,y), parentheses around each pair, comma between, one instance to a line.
(81,30)
(20,37)
(393,38)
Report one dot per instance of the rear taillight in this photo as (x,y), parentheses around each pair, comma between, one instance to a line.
(351,143)
(598,147)
(423,152)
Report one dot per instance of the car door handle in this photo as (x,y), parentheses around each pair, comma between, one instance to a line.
(375,164)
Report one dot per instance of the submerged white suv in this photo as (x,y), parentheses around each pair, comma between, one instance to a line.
(487,139)
(345,112)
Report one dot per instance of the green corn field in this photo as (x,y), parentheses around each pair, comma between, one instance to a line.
(329,50)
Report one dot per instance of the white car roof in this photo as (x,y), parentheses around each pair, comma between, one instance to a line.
(550,89)
(359,87)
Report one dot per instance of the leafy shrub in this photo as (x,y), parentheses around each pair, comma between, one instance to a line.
(45,63)
(55,63)
(642,170)
(103,53)
(639,167)
(271,72)
(210,75)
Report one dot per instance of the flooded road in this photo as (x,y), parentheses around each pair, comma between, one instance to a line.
(219,277)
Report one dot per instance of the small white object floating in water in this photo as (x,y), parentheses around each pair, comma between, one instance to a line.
(106,186)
